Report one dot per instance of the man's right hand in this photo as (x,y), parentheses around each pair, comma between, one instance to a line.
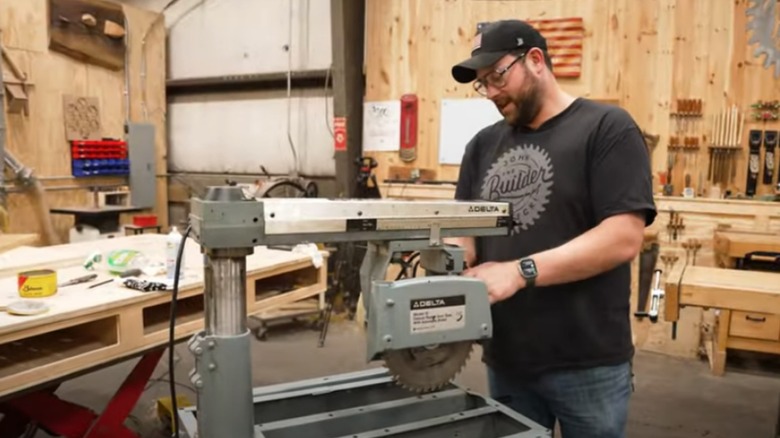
(469,247)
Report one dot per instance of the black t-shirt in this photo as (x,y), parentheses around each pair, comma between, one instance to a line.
(585,164)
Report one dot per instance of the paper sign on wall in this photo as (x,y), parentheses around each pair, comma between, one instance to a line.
(382,125)
(462,119)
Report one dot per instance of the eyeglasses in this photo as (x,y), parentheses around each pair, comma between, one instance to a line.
(495,78)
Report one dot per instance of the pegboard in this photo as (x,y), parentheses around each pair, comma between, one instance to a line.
(82,117)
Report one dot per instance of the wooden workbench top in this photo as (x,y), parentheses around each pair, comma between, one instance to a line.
(738,244)
(76,300)
(85,329)
(754,291)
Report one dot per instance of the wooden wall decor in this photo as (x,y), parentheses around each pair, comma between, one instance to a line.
(762,23)
(82,117)
(88,30)
(564,42)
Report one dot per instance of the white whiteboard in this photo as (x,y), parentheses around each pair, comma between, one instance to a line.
(461,119)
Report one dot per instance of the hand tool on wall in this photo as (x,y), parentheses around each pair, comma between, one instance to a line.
(692,247)
(648,259)
(770,142)
(725,143)
(754,158)
(655,299)
(675,225)
(687,113)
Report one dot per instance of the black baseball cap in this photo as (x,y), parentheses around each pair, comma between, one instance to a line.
(495,40)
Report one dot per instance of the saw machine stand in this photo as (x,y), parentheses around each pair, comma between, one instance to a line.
(423,328)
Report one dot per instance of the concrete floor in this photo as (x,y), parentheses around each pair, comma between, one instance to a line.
(674,398)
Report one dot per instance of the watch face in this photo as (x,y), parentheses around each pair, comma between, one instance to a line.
(528,267)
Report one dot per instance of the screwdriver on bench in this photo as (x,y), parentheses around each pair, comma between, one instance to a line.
(78,280)
(129,273)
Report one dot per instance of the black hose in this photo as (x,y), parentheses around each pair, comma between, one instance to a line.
(171,330)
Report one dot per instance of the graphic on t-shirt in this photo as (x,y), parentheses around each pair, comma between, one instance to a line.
(522,176)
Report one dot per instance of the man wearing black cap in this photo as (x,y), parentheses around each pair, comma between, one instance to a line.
(578,176)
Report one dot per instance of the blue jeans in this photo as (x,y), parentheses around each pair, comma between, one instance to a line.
(588,403)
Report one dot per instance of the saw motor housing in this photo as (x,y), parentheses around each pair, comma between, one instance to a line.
(439,308)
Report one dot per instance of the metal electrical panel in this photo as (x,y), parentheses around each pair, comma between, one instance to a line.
(143,168)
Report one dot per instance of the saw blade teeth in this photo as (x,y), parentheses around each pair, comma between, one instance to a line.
(422,370)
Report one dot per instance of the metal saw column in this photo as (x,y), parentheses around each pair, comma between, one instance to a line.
(223,373)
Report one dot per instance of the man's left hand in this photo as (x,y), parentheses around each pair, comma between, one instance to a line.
(502,279)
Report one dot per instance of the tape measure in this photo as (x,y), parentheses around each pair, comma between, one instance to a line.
(37,284)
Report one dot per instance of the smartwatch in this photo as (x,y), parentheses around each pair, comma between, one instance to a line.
(527,269)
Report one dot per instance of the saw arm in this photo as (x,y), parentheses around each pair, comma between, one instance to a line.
(422,328)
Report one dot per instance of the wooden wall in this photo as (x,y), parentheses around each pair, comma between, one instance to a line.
(38,139)
(644,54)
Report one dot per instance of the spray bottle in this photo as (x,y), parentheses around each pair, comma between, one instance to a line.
(172,243)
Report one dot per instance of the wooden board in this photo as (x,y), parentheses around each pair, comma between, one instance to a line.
(93,39)
(645,54)
(87,328)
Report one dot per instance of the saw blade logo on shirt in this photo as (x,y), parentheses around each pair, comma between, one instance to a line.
(523,176)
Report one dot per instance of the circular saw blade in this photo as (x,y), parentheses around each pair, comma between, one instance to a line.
(423,369)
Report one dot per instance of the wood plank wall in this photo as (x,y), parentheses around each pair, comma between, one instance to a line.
(643,54)
(38,139)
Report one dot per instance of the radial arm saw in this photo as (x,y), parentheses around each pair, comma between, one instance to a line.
(423,328)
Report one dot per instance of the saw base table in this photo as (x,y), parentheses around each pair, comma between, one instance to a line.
(748,304)
(368,404)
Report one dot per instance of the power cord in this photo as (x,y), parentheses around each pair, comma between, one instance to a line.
(171,342)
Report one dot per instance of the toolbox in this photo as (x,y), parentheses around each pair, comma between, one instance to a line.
(369,404)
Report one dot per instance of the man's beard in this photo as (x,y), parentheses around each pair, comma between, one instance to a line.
(526,106)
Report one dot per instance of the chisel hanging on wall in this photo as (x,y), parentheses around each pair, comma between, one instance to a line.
(770,142)
(754,161)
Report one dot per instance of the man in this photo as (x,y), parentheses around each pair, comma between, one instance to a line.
(578,177)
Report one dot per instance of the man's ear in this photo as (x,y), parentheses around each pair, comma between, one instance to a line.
(537,60)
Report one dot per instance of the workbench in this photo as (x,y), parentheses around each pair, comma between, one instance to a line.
(748,303)
(86,328)
(730,246)
(11,241)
